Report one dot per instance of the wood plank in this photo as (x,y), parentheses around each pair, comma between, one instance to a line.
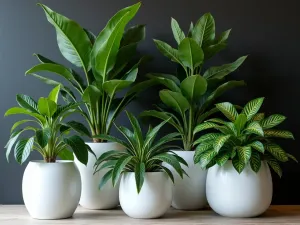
(17,215)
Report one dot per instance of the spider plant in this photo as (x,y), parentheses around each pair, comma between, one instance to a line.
(50,134)
(248,137)
(143,154)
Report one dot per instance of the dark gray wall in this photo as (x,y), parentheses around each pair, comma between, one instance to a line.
(266,30)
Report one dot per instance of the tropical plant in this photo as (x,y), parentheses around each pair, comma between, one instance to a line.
(248,137)
(143,154)
(190,93)
(106,61)
(50,134)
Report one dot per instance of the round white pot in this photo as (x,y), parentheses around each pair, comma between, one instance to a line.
(189,192)
(91,196)
(231,194)
(51,190)
(154,199)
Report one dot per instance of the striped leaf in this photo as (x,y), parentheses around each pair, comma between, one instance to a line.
(211,164)
(222,158)
(238,164)
(278,133)
(240,122)
(257,145)
(258,117)
(23,149)
(292,157)
(27,102)
(272,121)
(216,120)
(231,128)
(276,151)
(207,137)
(171,160)
(233,153)
(252,107)
(205,126)
(255,161)
(42,136)
(204,146)
(119,167)
(244,153)
(228,110)
(254,128)
(273,163)
(219,142)
(139,175)
(206,157)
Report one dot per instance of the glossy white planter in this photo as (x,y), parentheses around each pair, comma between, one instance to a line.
(91,196)
(189,192)
(154,199)
(51,190)
(239,195)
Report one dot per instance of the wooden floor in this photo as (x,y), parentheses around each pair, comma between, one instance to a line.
(17,215)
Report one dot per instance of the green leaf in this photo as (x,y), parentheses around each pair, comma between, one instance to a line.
(216,120)
(79,128)
(53,96)
(258,117)
(206,157)
(292,157)
(73,42)
(119,167)
(134,34)
(276,151)
(17,110)
(254,128)
(111,139)
(105,178)
(91,95)
(211,50)
(257,145)
(272,121)
(168,172)
(193,87)
(255,161)
(190,53)
(240,122)
(273,163)
(47,107)
(78,147)
(205,126)
(27,102)
(12,140)
(219,142)
(66,154)
(23,149)
(42,136)
(152,134)
(219,72)
(202,147)
(278,133)
(228,110)
(207,137)
(106,46)
(177,32)
(174,100)
(252,108)
(222,158)
(18,123)
(238,164)
(167,51)
(244,153)
(91,35)
(171,160)
(139,176)
(112,86)
(165,80)
(204,30)
(136,128)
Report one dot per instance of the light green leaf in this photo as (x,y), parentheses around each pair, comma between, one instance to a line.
(18,123)
(27,102)
(219,142)
(112,86)
(222,158)
(204,30)
(177,32)
(167,51)
(216,120)
(238,164)
(193,87)
(272,121)
(66,154)
(139,176)
(257,145)
(207,137)
(240,122)
(91,95)
(205,126)
(47,107)
(23,149)
(252,107)
(54,94)
(276,151)
(278,133)
(206,157)
(174,100)
(255,161)
(202,147)
(17,110)
(228,110)
(190,53)
(244,153)
(254,128)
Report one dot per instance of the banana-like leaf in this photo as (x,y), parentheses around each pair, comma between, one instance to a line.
(167,51)
(220,141)
(78,147)
(79,128)
(17,110)
(47,107)
(257,145)
(190,53)
(167,76)
(272,121)
(252,107)
(278,133)
(254,128)
(42,136)
(164,81)
(53,96)
(228,110)
(119,167)
(255,161)
(204,30)
(223,36)
(193,87)
(112,86)
(211,50)
(244,153)
(134,34)
(174,100)
(276,151)
(27,102)
(238,164)
(139,175)
(91,95)
(23,149)
(177,32)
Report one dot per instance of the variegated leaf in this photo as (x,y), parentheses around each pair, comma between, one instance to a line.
(257,145)
(202,147)
(273,163)
(258,117)
(231,128)
(207,137)
(219,142)
(216,120)
(238,164)
(205,126)
(233,153)
(228,110)
(211,164)
(222,158)
(272,121)
(255,161)
(244,153)
(276,151)
(254,128)
(252,107)
(292,157)
(206,157)
(278,133)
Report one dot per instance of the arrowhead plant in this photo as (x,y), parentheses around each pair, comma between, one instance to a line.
(246,137)
(50,134)
(106,60)
(191,92)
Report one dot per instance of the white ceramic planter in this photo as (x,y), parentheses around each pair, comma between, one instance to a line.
(239,195)
(51,190)
(189,192)
(154,199)
(91,196)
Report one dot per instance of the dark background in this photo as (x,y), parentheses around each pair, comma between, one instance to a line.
(267,31)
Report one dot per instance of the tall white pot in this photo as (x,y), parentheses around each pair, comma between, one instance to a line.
(154,199)
(232,194)
(91,196)
(51,190)
(189,192)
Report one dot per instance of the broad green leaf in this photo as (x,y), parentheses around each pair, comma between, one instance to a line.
(27,102)
(139,175)
(91,35)
(106,46)
(64,110)
(222,158)
(164,80)
(207,137)
(112,86)
(17,110)
(167,51)
(141,86)
(219,72)
(206,157)
(257,145)
(254,128)
(205,126)
(240,122)
(244,153)
(190,53)
(177,32)
(119,167)
(276,151)
(18,123)
(107,165)
(228,128)
(79,128)
(238,164)
(134,34)
(219,142)
(228,110)
(12,140)
(166,76)
(47,107)
(252,107)
(130,75)
(66,154)
(204,30)
(211,164)
(23,149)
(174,100)
(193,87)
(272,121)
(105,178)
(258,117)
(91,95)
(78,147)
(292,157)
(255,161)
(202,147)
(278,133)
(211,50)
(273,163)
(73,42)
(54,94)
(223,36)
(43,136)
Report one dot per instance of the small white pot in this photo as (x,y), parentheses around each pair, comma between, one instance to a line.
(154,199)
(91,196)
(231,194)
(189,192)
(51,190)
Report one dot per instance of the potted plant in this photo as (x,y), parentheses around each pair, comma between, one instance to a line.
(238,156)
(145,187)
(107,62)
(189,97)
(51,188)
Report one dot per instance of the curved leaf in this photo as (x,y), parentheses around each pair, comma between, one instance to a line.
(78,147)
(228,110)
(167,50)
(252,107)
(193,87)
(207,137)
(204,30)
(168,172)
(139,175)
(42,136)
(273,163)
(18,123)
(79,127)
(278,133)
(23,149)
(254,128)
(272,121)
(244,153)
(17,110)
(205,126)
(177,32)
(27,102)
(105,178)
(66,154)
(255,162)
(258,117)
(222,158)
(53,96)
(207,157)
(257,145)
(219,142)
(119,167)
(134,34)
(174,100)
(112,86)
(238,164)
(190,53)
(47,107)
(169,83)
(240,122)
(276,151)
(91,95)
(171,160)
